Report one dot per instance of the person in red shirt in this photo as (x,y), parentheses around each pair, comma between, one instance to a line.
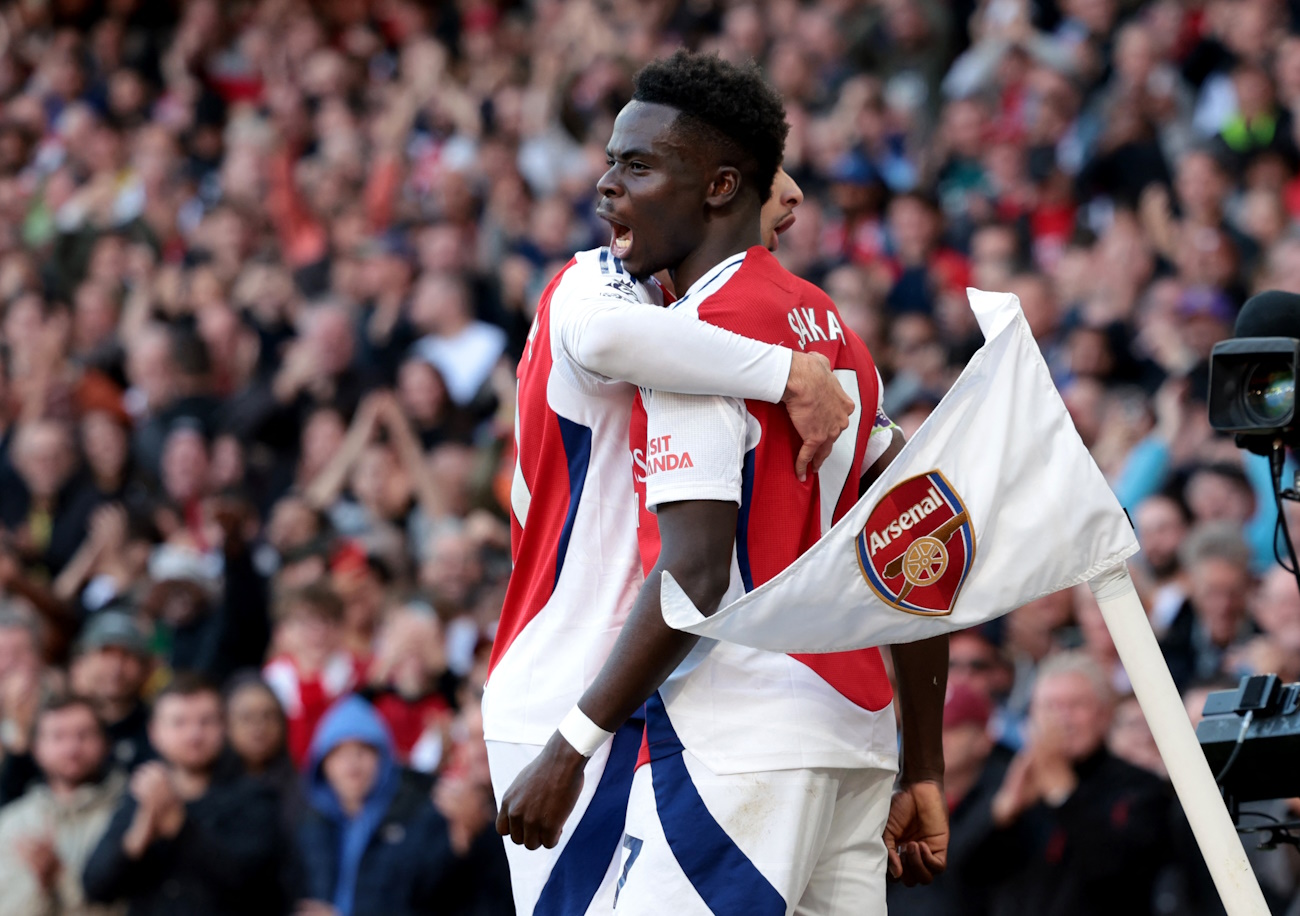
(311,668)
(408,684)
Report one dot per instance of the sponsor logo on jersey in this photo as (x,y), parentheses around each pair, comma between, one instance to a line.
(660,456)
(918,545)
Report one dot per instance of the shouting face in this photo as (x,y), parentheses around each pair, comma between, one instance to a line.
(653,195)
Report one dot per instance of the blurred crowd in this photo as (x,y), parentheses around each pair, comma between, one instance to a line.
(265,270)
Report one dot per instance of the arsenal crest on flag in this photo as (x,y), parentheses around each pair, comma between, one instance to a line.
(993,503)
(917,546)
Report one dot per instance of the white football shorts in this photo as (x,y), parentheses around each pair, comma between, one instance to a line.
(577,876)
(778,843)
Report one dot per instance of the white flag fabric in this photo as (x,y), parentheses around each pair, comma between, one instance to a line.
(993,503)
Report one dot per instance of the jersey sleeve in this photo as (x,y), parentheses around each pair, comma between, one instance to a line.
(695,447)
(882,431)
(617,336)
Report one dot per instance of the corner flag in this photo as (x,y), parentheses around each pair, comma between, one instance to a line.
(993,503)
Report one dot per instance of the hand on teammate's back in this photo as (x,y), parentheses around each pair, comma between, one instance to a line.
(541,798)
(818,407)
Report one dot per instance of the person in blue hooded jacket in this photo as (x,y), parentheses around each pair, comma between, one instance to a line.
(371,842)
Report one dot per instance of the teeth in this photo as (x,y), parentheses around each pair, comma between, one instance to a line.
(621,245)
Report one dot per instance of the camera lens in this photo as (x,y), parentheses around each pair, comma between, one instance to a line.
(1269,396)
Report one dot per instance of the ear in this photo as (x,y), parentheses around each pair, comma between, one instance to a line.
(724,187)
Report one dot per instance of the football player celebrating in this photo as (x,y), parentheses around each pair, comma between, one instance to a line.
(767,778)
(574,519)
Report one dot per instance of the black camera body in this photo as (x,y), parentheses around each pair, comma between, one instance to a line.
(1252,388)
(1265,765)
(1253,375)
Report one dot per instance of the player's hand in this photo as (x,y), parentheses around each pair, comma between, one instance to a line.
(818,407)
(541,798)
(916,834)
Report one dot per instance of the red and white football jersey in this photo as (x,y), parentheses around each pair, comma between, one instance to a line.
(573,519)
(740,709)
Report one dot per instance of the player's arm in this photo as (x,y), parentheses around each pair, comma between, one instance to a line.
(621,338)
(697,504)
(697,539)
(916,834)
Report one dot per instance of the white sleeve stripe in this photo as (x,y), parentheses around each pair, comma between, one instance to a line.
(520,497)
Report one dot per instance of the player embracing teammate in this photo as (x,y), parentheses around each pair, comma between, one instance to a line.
(764,783)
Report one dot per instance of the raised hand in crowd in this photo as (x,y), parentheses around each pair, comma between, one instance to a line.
(160,811)
(41,858)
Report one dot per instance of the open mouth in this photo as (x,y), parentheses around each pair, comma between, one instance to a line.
(620,241)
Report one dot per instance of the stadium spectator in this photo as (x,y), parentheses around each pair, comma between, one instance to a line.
(312,668)
(464,351)
(1214,616)
(257,730)
(50,832)
(47,505)
(183,841)
(111,667)
(108,670)
(371,842)
(1130,738)
(408,684)
(1071,829)
(1162,523)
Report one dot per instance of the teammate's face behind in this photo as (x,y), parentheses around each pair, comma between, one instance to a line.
(655,191)
(778,210)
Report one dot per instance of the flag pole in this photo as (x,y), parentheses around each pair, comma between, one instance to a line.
(1194,784)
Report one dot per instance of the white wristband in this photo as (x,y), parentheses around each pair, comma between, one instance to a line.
(584,735)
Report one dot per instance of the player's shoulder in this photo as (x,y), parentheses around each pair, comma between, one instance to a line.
(597,274)
(760,299)
(778,275)
(760,280)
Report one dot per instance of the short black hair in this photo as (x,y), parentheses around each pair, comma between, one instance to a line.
(731,106)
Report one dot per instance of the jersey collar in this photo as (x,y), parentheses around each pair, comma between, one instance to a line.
(712,274)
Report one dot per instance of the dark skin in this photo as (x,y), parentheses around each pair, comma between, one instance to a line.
(686,212)
(650,163)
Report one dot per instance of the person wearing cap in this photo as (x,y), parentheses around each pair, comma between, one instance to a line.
(1206,315)
(974,765)
(110,668)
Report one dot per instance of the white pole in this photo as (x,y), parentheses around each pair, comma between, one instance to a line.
(1182,754)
